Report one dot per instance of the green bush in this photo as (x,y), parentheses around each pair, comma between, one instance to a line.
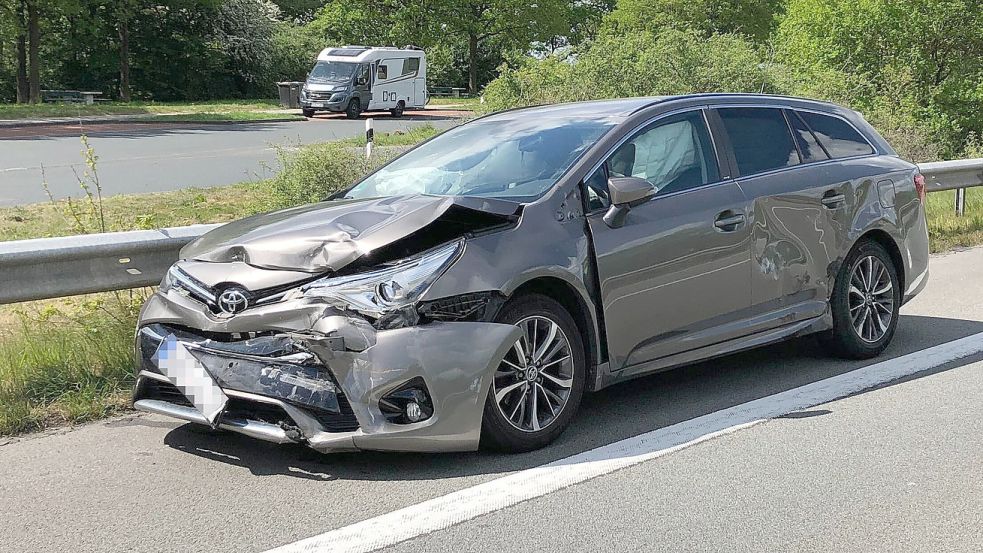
(635,64)
(312,173)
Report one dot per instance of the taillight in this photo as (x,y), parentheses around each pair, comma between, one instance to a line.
(920,186)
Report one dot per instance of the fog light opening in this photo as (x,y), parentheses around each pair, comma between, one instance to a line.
(407,404)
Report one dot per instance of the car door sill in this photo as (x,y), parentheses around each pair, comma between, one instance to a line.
(808,326)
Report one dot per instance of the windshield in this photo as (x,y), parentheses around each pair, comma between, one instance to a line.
(517,159)
(332,71)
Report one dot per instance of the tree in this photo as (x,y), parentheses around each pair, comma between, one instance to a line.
(513,24)
(752,18)
(920,58)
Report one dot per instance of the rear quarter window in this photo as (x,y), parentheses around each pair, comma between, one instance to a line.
(837,136)
(760,138)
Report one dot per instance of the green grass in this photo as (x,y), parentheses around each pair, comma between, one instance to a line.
(410,137)
(66,361)
(227,108)
(948,230)
(138,211)
(463,103)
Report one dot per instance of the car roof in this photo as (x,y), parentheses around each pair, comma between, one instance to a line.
(624,107)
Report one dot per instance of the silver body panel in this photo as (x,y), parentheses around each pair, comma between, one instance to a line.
(666,288)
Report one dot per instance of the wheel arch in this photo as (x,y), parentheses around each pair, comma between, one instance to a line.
(576,305)
(884,239)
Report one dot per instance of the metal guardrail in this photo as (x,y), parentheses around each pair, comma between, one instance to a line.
(57,267)
(955,175)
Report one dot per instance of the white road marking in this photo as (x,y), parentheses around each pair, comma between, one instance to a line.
(445,511)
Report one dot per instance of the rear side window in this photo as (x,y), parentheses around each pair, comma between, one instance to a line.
(809,147)
(836,135)
(761,139)
(412,66)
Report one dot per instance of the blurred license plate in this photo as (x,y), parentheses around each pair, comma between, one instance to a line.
(317,104)
(188,374)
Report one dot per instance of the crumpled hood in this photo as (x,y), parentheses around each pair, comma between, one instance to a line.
(328,236)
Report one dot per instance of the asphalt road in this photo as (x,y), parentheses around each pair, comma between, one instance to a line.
(144,157)
(894,468)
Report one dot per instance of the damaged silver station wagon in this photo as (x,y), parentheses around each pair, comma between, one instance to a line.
(470,291)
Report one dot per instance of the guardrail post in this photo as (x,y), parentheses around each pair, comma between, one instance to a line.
(960,201)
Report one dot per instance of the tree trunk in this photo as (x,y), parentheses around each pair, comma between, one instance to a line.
(124,58)
(34,35)
(473,63)
(23,90)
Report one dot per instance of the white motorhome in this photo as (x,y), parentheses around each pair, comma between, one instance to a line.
(353,79)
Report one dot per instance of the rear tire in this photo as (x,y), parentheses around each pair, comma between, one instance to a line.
(553,368)
(867,291)
(354,109)
(398,110)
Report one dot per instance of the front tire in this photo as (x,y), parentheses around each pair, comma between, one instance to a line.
(308,113)
(354,109)
(866,303)
(537,387)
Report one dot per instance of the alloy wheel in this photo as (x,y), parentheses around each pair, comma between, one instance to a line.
(533,382)
(871,299)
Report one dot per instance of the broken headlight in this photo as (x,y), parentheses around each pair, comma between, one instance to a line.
(390,286)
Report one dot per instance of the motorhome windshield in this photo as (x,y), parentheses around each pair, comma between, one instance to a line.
(332,71)
(517,158)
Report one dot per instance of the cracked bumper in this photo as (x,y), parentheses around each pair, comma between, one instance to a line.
(305,372)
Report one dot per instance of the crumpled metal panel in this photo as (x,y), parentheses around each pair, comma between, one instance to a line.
(456,360)
(328,236)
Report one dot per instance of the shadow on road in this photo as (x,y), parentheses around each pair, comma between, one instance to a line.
(613,414)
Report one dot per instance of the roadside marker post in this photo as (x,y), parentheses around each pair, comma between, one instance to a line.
(369,135)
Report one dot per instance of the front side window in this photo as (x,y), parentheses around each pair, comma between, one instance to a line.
(760,138)
(383,73)
(332,72)
(836,135)
(518,158)
(673,154)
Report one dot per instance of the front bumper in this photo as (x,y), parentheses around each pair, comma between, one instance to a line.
(337,101)
(305,372)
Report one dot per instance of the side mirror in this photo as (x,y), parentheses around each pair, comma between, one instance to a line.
(626,193)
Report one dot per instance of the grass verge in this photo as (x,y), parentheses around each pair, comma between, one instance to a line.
(66,361)
(946,229)
(462,103)
(137,211)
(42,111)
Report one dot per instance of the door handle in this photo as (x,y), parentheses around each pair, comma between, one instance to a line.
(729,221)
(833,200)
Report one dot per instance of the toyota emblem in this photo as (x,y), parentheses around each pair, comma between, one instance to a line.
(232,301)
